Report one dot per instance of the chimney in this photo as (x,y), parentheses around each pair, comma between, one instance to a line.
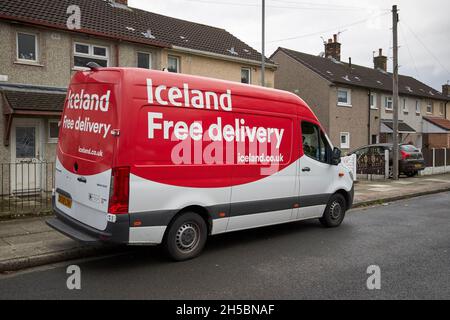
(446,90)
(124,2)
(333,48)
(350,62)
(380,62)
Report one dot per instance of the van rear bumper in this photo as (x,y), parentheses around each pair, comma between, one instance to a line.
(117,232)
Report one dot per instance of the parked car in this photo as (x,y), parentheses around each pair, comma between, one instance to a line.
(411,160)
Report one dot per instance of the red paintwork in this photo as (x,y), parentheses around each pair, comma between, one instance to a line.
(151,159)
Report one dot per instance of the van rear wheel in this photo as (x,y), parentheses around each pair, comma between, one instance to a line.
(334,212)
(186,237)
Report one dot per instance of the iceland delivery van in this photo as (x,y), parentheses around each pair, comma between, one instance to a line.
(150,157)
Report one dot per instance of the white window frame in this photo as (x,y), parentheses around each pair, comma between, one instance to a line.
(441,109)
(430,104)
(345,145)
(349,97)
(51,139)
(373,105)
(90,54)
(418,111)
(36,44)
(405,108)
(150,58)
(178,62)
(249,74)
(386,103)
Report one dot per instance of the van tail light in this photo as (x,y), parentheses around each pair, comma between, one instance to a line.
(405,155)
(119,192)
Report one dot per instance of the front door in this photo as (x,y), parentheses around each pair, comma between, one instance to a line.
(25,166)
(315,173)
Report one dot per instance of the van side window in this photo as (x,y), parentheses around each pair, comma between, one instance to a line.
(310,138)
(315,144)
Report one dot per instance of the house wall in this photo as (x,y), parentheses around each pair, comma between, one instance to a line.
(354,119)
(217,68)
(312,88)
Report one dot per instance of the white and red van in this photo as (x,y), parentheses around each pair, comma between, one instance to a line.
(150,157)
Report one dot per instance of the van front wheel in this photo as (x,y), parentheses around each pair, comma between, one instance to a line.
(334,212)
(186,237)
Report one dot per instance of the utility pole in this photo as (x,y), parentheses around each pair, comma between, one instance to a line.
(263,59)
(395,93)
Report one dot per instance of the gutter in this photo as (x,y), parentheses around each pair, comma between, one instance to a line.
(222,56)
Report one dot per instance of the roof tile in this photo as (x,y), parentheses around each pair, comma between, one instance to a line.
(340,73)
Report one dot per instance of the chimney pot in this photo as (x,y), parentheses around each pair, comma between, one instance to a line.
(380,62)
(446,90)
(333,49)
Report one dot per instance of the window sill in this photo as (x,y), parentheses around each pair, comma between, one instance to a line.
(373,108)
(52,141)
(28,63)
(344,105)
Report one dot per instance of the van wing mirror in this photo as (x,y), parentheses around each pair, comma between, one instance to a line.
(336,156)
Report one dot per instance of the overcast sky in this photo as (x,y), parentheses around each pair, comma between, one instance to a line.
(365,26)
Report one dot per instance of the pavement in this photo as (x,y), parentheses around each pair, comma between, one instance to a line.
(26,243)
(407,242)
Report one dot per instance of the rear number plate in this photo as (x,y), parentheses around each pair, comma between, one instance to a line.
(418,165)
(65,201)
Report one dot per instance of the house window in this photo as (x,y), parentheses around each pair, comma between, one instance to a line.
(417,107)
(53,131)
(405,107)
(85,53)
(245,75)
(344,97)
(388,103)
(173,64)
(441,108)
(345,140)
(144,60)
(374,139)
(373,101)
(27,48)
(429,107)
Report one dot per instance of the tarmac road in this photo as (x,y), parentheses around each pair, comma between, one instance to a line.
(409,240)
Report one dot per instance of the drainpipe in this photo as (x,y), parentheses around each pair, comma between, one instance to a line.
(368,125)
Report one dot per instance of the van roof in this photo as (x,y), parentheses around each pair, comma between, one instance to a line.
(238,89)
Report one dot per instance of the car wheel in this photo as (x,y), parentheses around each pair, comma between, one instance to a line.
(186,237)
(334,212)
(412,173)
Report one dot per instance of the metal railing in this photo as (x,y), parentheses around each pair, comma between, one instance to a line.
(26,187)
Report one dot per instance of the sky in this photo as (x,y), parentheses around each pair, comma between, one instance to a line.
(363,26)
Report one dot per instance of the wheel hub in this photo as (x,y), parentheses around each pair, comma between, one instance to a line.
(336,210)
(187,237)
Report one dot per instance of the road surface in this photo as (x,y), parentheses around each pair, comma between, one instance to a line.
(408,240)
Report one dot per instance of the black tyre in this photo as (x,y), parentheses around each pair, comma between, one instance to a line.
(186,237)
(412,173)
(334,212)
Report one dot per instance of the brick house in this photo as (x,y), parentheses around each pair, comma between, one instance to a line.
(40,53)
(353,102)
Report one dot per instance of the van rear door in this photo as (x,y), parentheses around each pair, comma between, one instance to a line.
(86,147)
